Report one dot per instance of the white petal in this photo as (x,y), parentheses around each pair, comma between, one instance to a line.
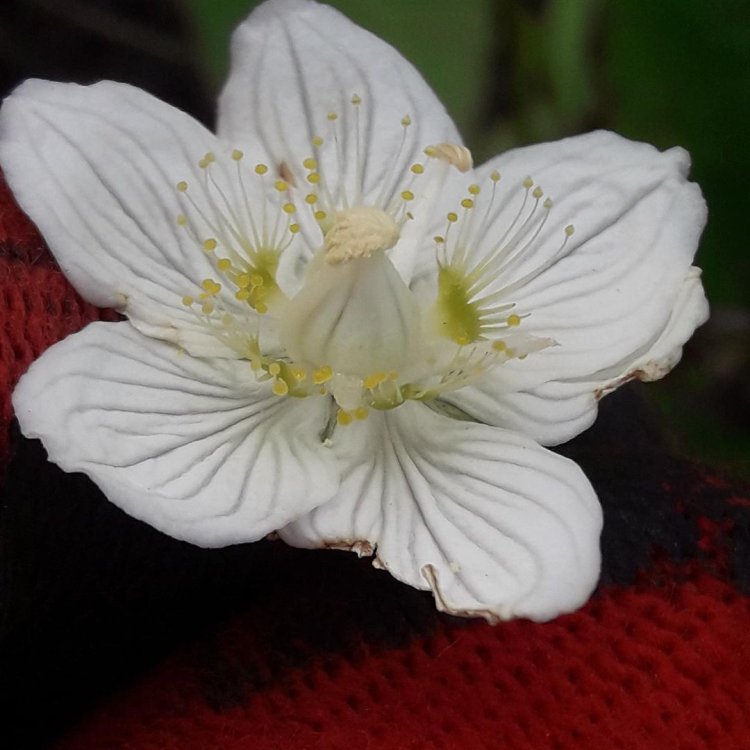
(494,524)
(191,446)
(558,410)
(96,168)
(637,224)
(294,62)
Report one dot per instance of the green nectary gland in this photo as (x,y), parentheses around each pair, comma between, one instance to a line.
(459,318)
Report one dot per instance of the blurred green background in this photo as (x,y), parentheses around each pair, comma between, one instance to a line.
(511,72)
(672,72)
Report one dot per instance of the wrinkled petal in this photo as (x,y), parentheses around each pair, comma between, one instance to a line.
(96,168)
(193,447)
(559,410)
(494,524)
(607,292)
(293,63)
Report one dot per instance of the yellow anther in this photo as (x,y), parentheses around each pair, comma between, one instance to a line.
(569,230)
(207,308)
(210,286)
(317,141)
(280,388)
(430,151)
(281,185)
(320,215)
(288,208)
(224,264)
(210,244)
(343,417)
(311,198)
(474,189)
(439,239)
(182,220)
(513,320)
(261,308)
(406,121)
(452,217)
(237,155)
(374,380)
(467,203)
(274,368)
(407,195)
(361,412)
(261,169)
(294,228)
(417,168)
(356,99)
(242,295)
(495,175)
(538,192)
(310,163)
(243,280)
(547,203)
(322,375)
(313,178)
(256,279)
(499,345)
(332,116)
(187,300)
(182,186)
(528,183)
(463,339)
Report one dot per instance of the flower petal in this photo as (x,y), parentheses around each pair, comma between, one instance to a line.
(293,63)
(192,446)
(558,410)
(494,524)
(96,167)
(610,292)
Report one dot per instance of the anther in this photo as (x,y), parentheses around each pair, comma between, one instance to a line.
(417,168)
(281,185)
(495,176)
(406,121)
(467,203)
(474,189)
(261,169)
(528,183)
(332,116)
(237,155)
(537,193)
(455,155)
(513,320)
(280,388)
(569,230)
(407,195)
(356,100)
(310,163)
(187,300)
(209,244)
(182,186)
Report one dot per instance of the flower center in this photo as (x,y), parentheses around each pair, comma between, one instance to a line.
(352,328)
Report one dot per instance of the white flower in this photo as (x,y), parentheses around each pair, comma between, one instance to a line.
(337,328)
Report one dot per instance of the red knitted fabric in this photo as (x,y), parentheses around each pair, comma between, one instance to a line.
(37,305)
(637,668)
(126,639)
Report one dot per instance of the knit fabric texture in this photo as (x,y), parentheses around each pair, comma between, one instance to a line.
(116,637)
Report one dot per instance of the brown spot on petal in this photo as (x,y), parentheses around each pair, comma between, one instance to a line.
(286,174)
